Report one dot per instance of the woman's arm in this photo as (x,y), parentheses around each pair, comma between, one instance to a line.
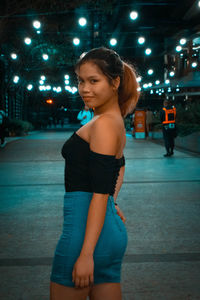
(95,221)
(103,140)
(84,267)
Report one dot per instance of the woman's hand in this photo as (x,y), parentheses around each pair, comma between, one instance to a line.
(83,271)
(120,213)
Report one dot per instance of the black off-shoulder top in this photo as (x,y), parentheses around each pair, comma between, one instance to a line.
(89,171)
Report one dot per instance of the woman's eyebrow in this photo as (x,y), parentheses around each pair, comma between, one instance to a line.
(89,77)
(93,76)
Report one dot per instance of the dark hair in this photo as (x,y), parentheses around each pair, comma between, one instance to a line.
(111,65)
(167,102)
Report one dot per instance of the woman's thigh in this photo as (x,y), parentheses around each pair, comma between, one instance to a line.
(106,291)
(61,292)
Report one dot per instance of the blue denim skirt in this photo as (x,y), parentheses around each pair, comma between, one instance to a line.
(110,247)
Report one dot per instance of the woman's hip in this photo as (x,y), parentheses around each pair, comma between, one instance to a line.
(113,236)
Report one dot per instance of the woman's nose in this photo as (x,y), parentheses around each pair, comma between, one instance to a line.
(85,87)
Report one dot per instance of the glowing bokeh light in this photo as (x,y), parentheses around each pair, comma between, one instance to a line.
(150,72)
(36,24)
(13,55)
(133,15)
(29,87)
(194,64)
(27,41)
(141,40)
(45,56)
(76,41)
(183,41)
(82,22)
(148,51)
(178,48)
(113,42)
(15,79)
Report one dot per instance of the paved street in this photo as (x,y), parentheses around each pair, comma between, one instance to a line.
(160,198)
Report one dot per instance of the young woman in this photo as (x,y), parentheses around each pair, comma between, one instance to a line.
(89,254)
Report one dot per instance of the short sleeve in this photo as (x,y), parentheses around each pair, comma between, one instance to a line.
(102,170)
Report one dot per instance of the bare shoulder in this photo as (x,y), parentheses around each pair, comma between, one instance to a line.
(105,135)
(105,121)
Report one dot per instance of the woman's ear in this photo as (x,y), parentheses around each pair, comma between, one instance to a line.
(116,83)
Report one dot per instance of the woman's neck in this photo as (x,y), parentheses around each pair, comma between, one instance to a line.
(110,107)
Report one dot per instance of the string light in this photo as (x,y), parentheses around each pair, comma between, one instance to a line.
(27,41)
(15,79)
(76,41)
(29,87)
(178,48)
(148,51)
(183,41)
(13,55)
(150,72)
(133,15)
(36,24)
(113,42)
(82,22)
(194,64)
(141,40)
(45,56)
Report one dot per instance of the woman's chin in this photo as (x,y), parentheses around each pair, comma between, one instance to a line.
(88,104)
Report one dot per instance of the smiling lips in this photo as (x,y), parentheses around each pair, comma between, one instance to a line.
(87,98)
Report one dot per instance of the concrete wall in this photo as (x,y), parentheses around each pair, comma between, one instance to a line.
(190,142)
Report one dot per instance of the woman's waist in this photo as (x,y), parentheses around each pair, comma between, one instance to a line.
(83,187)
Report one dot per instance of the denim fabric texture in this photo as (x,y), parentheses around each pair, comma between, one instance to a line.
(110,247)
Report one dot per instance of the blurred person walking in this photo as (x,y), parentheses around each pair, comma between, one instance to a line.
(85,115)
(149,119)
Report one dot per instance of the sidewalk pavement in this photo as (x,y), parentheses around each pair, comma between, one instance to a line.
(15,138)
(159,197)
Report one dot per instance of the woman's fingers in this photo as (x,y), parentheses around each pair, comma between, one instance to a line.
(73,276)
(86,282)
(77,282)
(120,213)
(82,271)
(91,278)
(82,282)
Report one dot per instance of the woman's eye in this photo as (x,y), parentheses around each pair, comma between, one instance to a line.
(94,80)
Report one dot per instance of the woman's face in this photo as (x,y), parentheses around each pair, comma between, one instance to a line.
(93,86)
